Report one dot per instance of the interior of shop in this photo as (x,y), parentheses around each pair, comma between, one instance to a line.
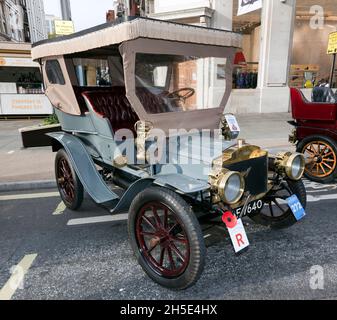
(310,63)
(20,80)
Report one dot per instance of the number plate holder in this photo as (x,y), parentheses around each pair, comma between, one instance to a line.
(296,207)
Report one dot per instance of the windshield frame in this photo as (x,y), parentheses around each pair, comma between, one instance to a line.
(193,119)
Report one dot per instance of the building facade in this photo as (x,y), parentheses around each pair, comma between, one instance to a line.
(12,20)
(50,25)
(22,20)
(284,45)
(36,18)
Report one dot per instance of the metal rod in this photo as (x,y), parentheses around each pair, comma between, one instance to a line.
(333,70)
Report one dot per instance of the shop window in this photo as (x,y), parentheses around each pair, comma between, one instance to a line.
(54,72)
(92,72)
(20,80)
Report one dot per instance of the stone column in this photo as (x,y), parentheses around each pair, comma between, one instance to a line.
(277,29)
(223,15)
(222,19)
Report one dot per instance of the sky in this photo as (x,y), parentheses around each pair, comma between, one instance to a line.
(85,13)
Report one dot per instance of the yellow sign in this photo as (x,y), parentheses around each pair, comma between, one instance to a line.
(332,47)
(64,28)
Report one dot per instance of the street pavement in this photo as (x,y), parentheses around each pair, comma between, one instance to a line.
(18,164)
(67,257)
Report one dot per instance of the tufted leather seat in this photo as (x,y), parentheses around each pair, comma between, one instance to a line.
(114,106)
(152,103)
(78,93)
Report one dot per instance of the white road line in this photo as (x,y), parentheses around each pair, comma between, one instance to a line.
(60,209)
(30,196)
(100,219)
(10,152)
(14,282)
(321,197)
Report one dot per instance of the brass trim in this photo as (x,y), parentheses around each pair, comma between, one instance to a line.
(222,183)
(284,163)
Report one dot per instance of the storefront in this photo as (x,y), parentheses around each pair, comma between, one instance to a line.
(21,88)
(284,45)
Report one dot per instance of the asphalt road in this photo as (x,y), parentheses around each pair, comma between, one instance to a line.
(73,260)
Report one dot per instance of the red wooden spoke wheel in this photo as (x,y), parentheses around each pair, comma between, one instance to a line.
(162,240)
(70,187)
(66,180)
(166,238)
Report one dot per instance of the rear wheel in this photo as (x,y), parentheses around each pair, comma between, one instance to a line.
(166,238)
(68,183)
(276,212)
(321,158)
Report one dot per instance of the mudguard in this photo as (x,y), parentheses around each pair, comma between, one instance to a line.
(177,182)
(85,168)
(125,201)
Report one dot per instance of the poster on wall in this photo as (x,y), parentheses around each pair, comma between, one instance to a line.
(246,6)
(18,62)
(22,104)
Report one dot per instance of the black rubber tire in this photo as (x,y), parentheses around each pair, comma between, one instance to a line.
(76,203)
(333,144)
(192,229)
(287,219)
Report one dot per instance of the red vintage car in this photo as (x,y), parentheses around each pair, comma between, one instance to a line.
(315,133)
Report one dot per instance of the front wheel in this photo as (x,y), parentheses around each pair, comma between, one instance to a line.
(276,212)
(166,238)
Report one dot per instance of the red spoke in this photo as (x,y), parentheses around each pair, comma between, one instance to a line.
(178,253)
(147,220)
(150,234)
(181,240)
(174,226)
(172,263)
(156,216)
(162,256)
(153,247)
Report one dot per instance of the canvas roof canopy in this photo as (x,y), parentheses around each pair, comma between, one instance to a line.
(148,36)
(109,34)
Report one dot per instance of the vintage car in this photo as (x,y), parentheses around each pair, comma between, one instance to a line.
(141,104)
(315,133)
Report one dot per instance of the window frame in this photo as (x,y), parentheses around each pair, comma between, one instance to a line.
(59,76)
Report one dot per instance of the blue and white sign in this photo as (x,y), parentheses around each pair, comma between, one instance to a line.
(296,207)
(246,6)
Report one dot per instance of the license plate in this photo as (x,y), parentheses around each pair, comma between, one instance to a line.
(296,207)
(252,207)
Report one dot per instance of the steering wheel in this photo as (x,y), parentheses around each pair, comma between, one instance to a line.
(180,95)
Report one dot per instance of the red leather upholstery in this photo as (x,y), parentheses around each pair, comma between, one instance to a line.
(78,93)
(111,103)
(152,103)
(114,106)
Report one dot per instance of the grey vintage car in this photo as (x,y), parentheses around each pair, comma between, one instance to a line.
(141,104)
